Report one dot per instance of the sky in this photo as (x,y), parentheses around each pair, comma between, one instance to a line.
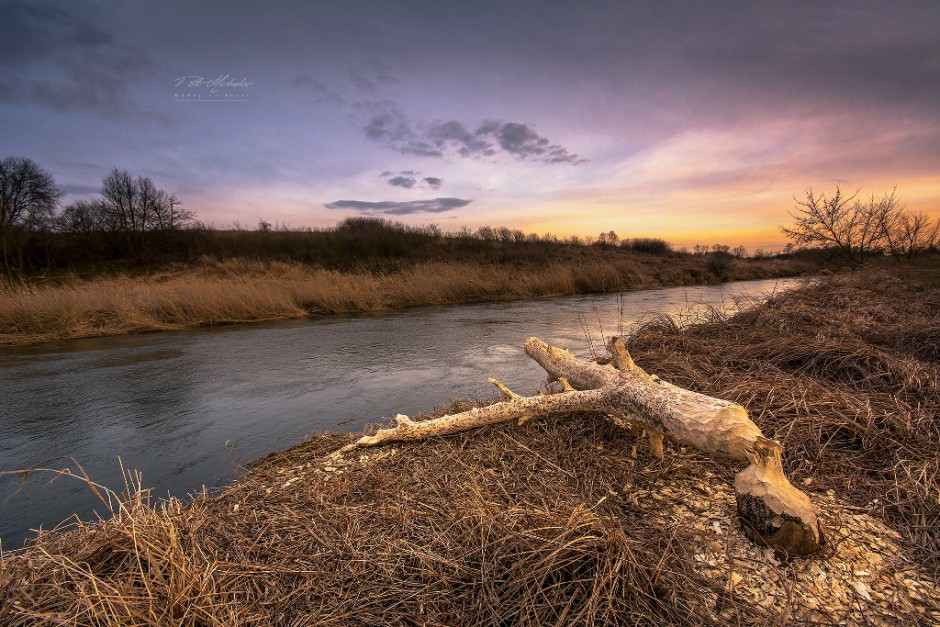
(697,122)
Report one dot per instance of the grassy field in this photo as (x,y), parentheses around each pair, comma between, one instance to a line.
(566,520)
(213,292)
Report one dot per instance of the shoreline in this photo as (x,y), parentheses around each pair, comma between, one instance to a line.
(523,523)
(240,292)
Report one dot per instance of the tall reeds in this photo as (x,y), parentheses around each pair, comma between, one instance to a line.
(239,290)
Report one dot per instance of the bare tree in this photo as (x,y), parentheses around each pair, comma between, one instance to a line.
(28,198)
(915,234)
(838,221)
(82,216)
(138,205)
(169,213)
(487,234)
(860,230)
(608,238)
(132,206)
(905,234)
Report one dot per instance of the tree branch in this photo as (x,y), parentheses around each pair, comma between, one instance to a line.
(782,515)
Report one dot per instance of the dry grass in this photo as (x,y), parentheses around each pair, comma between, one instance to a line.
(846,374)
(543,525)
(240,291)
(492,528)
(250,291)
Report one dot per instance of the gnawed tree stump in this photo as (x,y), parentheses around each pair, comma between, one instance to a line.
(774,512)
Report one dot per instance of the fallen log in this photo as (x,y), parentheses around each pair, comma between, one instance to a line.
(772,510)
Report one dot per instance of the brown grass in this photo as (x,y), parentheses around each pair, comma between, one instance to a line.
(846,374)
(251,291)
(492,528)
(539,525)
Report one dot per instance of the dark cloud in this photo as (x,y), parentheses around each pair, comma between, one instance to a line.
(91,35)
(390,126)
(65,62)
(370,79)
(29,32)
(788,47)
(420,149)
(455,135)
(305,81)
(381,72)
(410,178)
(525,143)
(402,181)
(12,89)
(435,205)
(675,65)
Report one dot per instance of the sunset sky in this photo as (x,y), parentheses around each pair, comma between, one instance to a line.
(693,121)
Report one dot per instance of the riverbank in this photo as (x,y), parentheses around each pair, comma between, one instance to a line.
(566,520)
(240,291)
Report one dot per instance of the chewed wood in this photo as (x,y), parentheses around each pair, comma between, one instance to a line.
(774,511)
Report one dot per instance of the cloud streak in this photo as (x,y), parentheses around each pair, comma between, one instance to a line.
(453,138)
(388,124)
(434,205)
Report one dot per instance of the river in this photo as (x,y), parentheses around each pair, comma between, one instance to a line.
(187,408)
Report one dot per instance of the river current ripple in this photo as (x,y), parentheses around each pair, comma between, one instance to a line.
(187,408)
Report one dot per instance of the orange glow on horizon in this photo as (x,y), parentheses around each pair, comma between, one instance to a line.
(687,219)
(734,213)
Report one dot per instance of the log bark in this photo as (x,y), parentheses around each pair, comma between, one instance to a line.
(773,511)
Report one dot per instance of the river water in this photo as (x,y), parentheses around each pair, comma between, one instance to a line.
(186,408)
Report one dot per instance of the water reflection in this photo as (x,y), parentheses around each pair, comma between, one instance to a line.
(184,407)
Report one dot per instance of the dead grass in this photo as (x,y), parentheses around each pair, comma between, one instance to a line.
(250,291)
(239,291)
(501,527)
(846,374)
(562,521)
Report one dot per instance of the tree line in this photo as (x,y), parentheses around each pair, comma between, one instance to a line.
(126,209)
(133,222)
